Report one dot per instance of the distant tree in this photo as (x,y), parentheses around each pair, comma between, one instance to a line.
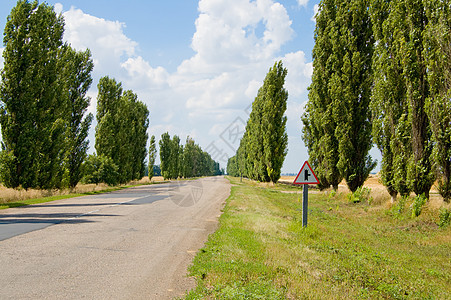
(32,114)
(174,162)
(232,168)
(152,156)
(165,155)
(76,78)
(156,171)
(190,158)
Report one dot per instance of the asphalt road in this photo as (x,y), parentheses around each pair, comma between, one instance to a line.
(131,244)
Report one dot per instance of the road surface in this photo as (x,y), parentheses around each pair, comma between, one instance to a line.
(130,244)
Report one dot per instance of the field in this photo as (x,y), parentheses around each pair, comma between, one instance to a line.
(367,250)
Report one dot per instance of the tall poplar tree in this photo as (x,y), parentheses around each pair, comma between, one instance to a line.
(32,114)
(350,88)
(411,22)
(319,124)
(438,104)
(76,79)
(274,121)
(388,101)
(121,132)
(265,141)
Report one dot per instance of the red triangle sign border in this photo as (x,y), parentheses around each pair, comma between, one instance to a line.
(316,181)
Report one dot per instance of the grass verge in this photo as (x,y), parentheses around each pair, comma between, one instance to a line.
(348,251)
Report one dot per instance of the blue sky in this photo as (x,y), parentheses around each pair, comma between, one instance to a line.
(197,64)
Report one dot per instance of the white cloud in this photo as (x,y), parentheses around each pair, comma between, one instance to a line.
(235,44)
(1,58)
(315,12)
(106,39)
(302,2)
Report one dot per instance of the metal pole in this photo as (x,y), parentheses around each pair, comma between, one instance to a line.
(304,205)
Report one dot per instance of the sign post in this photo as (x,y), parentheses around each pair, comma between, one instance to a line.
(305,176)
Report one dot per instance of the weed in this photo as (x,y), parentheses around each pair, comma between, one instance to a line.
(417,205)
(445,217)
(362,194)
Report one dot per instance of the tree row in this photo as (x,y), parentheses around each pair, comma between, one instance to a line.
(185,161)
(43,114)
(381,75)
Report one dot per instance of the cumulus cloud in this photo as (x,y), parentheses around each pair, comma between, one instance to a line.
(106,39)
(315,12)
(235,44)
(302,2)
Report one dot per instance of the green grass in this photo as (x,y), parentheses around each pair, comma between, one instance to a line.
(348,251)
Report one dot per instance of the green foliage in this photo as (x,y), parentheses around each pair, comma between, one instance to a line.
(362,194)
(7,164)
(100,169)
(43,95)
(152,156)
(264,145)
(185,161)
(388,102)
(76,78)
(31,113)
(438,104)
(121,132)
(444,217)
(319,125)
(337,127)
(417,206)
(165,155)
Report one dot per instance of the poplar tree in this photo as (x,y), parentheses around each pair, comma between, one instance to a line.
(274,122)
(319,124)
(165,155)
(32,114)
(438,104)
(411,22)
(121,132)
(108,108)
(391,130)
(152,155)
(350,88)
(76,79)
(265,141)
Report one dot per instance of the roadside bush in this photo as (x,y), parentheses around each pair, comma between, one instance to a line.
(417,205)
(444,217)
(362,194)
(100,169)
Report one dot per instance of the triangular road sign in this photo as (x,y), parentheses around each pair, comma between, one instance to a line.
(306,175)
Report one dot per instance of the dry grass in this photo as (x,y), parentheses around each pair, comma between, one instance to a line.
(8,195)
(379,192)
